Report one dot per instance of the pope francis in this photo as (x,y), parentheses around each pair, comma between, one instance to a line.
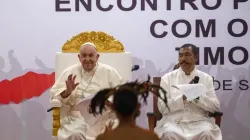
(77,83)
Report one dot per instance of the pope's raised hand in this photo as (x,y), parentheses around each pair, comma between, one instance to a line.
(70,86)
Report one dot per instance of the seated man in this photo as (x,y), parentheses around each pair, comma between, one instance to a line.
(182,119)
(75,84)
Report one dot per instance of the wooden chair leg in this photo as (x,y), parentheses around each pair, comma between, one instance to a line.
(218,120)
(151,121)
(56,121)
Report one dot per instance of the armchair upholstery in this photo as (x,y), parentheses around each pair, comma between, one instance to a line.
(154,116)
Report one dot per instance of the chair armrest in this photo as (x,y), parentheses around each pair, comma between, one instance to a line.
(56,104)
(151,120)
(215,114)
(218,114)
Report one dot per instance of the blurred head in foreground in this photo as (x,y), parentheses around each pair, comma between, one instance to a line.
(126,104)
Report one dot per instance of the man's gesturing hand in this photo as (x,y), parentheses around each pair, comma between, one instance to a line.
(70,86)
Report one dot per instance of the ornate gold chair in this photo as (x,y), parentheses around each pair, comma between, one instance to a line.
(104,42)
(155,116)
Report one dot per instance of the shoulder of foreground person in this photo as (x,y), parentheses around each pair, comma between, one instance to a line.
(100,137)
(150,135)
(154,136)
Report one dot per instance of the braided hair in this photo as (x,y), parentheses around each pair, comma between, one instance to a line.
(125,97)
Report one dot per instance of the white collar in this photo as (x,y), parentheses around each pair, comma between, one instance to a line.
(192,74)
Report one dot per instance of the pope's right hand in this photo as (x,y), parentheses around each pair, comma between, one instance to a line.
(70,86)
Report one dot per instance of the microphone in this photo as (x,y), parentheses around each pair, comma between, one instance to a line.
(50,109)
(195,80)
(135,67)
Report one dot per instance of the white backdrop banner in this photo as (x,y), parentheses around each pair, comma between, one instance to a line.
(32,31)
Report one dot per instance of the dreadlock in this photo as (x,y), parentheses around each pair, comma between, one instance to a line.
(125,97)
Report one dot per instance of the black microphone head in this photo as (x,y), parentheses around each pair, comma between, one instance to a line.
(196,79)
(135,67)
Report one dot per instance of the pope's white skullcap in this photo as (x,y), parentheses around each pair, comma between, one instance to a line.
(88,44)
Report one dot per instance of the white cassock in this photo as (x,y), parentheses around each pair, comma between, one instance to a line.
(76,122)
(189,122)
